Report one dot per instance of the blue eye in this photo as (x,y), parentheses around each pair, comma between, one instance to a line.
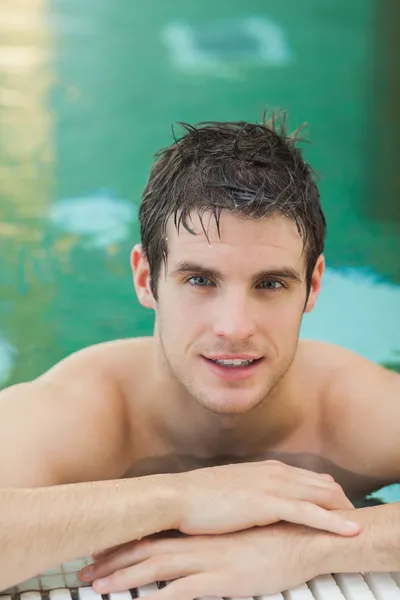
(201,281)
(198,281)
(271,284)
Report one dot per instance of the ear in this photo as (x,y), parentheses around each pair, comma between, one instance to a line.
(316,283)
(141,277)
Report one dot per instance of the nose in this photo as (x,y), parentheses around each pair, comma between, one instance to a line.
(235,318)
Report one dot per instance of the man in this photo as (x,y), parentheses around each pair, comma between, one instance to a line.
(231,257)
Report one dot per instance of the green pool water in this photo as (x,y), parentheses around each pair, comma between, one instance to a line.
(89,91)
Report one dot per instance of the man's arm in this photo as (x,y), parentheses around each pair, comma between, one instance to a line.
(376,548)
(44,527)
(282,556)
(66,427)
(364,426)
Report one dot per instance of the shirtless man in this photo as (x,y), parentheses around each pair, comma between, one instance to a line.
(129,438)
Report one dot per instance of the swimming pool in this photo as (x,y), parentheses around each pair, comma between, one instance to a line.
(88,91)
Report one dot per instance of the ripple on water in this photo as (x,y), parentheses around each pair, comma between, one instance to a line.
(101,217)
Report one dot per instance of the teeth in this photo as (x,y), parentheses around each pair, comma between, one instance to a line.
(233,362)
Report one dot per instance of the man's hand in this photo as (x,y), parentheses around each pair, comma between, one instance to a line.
(226,499)
(258,561)
(234,497)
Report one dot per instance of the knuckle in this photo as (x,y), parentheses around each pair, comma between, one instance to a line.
(330,495)
(143,549)
(145,544)
(327,476)
(277,467)
(312,511)
(119,578)
(155,563)
(324,494)
(336,490)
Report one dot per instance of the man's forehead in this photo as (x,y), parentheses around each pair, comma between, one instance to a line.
(273,231)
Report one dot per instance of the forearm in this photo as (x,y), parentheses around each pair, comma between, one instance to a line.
(376,548)
(41,528)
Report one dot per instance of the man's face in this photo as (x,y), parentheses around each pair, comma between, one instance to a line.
(239,296)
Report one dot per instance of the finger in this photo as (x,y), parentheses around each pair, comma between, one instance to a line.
(88,573)
(308,473)
(331,498)
(323,480)
(155,536)
(109,564)
(327,476)
(137,553)
(305,476)
(91,571)
(158,568)
(334,492)
(306,513)
(327,482)
(113,564)
(108,551)
(336,500)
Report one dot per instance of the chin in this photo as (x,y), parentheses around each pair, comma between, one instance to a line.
(229,403)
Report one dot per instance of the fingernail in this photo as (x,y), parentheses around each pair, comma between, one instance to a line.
(86,573)
(101,583)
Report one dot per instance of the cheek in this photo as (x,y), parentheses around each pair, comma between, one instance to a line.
(185,303)
(284,318)
(179,315)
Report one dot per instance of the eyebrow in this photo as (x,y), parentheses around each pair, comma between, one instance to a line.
(191,267)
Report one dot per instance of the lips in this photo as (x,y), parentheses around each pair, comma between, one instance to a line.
(232,363)
(232,372)
(233,357)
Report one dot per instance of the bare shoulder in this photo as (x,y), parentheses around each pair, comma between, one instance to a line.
(360,408)
(346,373)
(113,362)
(333,358)
(72,420)
(347,381)
(107,380)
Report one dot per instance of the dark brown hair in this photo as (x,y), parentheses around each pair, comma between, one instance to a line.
(253,170)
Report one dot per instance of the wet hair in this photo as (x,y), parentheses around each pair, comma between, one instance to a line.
(252,170)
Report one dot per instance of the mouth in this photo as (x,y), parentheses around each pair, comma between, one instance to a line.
(233,368)
(234,362)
